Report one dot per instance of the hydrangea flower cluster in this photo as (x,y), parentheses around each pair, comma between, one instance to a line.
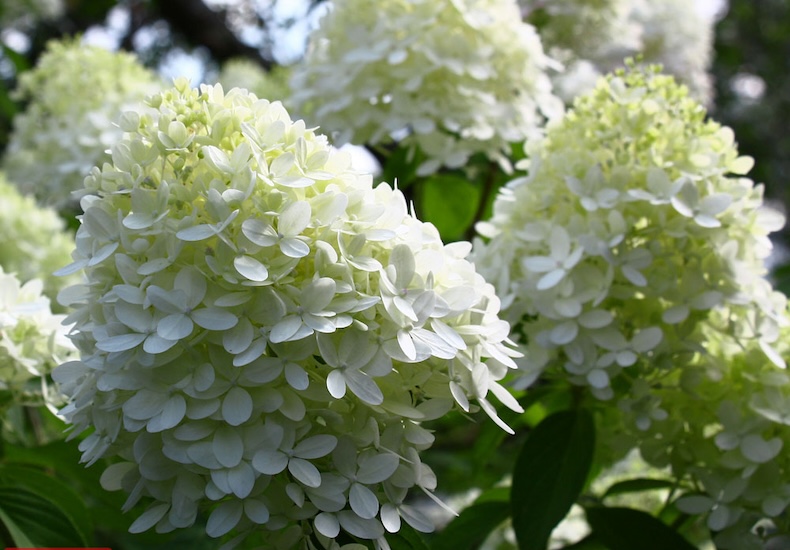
(262,331)
(69,124)
(595,29)
(454,78)
(244,73)
(35,241)
(677,35)
(631,259)
(32,342)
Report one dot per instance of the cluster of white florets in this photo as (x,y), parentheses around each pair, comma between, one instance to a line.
(32,342)
(453,78)
(74,94)
(262,330)
(630,260)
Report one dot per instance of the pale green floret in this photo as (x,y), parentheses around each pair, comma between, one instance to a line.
(264,329)
(75,93)
(630,259)
(451,77)
(35,240)
(32,342)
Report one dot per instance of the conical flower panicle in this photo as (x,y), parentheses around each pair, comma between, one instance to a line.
(452,77)
(631,259)
(262,330)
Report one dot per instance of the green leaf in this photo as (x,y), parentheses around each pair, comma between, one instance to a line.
(626,529)
(550,473)
(450,203)
(34,521)
(55,492)
(637,485)
(471,527)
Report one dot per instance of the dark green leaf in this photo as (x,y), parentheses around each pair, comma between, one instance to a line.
(627,529)
(34,521)
(450,203)
(637,485)
(550,474)
(470,529)
(587,543)
(52,490)
(407,538)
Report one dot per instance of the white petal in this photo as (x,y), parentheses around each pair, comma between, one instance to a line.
(304,472)
(224,518)
(390,518)
(315,446)
(175,327)
(285,329)
(122,342)
(327,525)
(363,501)
(269,462)
(228,446)
(250,268)
(197,233)
(551,279)
(296,377)
(259,232)
(145,404)
(539,264)
(758,450)
(172,413)
(647,339)
(237,406)
(241,480)
(294,248)
(364,387)
(633,275)
(214,318)
(239,338)
(336,384)
(149,518)
(377,468)
(256,511)
(295,218)
(360,527)
(676,314)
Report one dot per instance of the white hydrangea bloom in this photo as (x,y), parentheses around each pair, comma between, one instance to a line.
(74,93)
(262,330)
(631,260)
(602,33)
(452,77)
(35,241)
(245,73)
(32,342)
(677,34)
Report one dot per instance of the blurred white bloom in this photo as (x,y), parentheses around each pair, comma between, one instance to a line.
(75,94)
(262,330)
(600,34)
(245,73)
(32,342)
(451,77)
(35,241)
